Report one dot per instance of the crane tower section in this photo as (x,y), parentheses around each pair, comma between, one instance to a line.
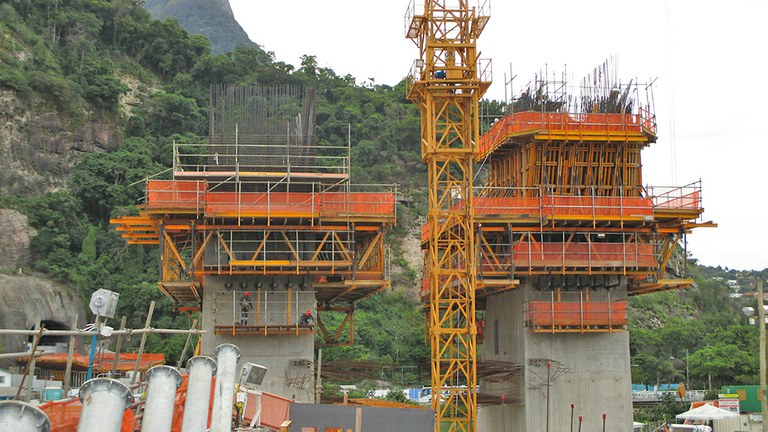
(446,83)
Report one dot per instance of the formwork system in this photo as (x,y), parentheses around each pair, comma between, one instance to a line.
(260,207)
(446,82)
(564,211)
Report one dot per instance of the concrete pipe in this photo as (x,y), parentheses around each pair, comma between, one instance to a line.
(104,402)
(201,371)
(21,416)
(227,356)
(162,382)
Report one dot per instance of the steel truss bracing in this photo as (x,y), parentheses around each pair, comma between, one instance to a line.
(446,84)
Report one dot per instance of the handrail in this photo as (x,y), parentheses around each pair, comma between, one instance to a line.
(531,121)
(312,199)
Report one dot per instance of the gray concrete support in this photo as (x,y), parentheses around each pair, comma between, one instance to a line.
(289,359)
(590,370)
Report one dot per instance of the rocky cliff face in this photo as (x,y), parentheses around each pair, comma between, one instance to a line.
(15,240)
(39,149)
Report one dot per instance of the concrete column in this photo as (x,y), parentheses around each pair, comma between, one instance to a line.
(161,395)
(201,371)
(227,356)
(21,416)
(104,402)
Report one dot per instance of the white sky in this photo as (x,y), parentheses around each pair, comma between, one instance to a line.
(709,57)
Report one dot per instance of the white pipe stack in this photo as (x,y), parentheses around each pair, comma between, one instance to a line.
(227,356)
(162,382)
(104,402)
(201,371)
(22,417)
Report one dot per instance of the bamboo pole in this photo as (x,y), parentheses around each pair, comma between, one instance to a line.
(143,341)
(118,346)
(186,344)
(90,333)
(31,364)
(70,353)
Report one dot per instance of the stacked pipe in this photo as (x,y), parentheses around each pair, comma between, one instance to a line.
(22,417)
(227,356)
(162,382)
(104,402)
(201,371)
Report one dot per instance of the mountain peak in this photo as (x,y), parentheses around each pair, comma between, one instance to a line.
(211,18)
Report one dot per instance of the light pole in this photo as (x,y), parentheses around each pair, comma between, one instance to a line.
(761,326)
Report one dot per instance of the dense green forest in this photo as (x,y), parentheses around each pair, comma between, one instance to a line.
(82,57)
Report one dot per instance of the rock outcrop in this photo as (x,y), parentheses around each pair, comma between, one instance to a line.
(15,240)
(39,149)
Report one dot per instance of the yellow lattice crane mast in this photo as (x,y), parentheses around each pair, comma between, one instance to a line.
(447,82)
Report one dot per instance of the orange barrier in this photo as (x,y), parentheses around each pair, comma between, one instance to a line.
(260,202)
(552,206)
(532,121)
(102,362)
(65,414)
(584,255)
(338,203)
(576,314)
(175,194)
(189,195)
(690,201)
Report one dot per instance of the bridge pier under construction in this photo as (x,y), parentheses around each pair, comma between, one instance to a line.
(590,370)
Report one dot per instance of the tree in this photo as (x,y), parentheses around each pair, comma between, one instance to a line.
(723,363)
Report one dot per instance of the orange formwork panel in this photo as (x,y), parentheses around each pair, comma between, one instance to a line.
(576,314)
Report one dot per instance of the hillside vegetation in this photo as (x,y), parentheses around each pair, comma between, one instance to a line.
(149,81)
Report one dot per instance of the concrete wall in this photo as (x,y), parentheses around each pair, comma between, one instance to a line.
(320,417)
(289,359)
(590,370)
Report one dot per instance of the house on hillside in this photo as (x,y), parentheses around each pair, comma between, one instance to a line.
(7,391)
(5,378)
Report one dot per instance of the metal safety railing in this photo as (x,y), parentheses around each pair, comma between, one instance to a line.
(676,197)
(332,249)
(588,251)
(262,307)
(542,201)
(260,153)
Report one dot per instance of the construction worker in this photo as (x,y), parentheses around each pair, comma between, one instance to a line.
(306,318)
(245,307)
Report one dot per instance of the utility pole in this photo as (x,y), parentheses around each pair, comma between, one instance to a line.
(761,324)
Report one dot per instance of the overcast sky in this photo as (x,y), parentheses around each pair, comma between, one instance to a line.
(708,59)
